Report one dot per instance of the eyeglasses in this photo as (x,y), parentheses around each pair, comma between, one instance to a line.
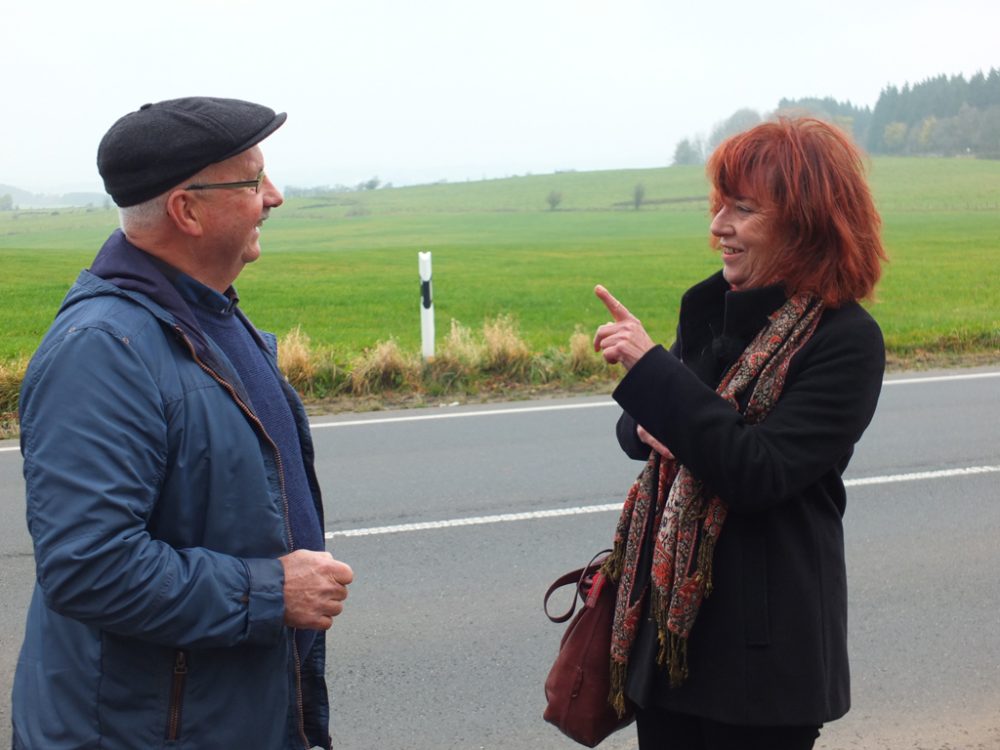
(254,183)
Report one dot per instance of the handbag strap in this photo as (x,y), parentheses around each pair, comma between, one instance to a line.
(581,578)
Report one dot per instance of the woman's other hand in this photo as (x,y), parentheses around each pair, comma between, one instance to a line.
(624,340)
(652,442)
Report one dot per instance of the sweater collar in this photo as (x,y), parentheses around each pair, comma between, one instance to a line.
(197,295)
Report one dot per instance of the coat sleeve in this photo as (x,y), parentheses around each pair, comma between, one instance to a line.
(625,429)
(828,400)
(629,440)
(95,452)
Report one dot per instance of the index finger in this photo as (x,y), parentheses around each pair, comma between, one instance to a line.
(617,309)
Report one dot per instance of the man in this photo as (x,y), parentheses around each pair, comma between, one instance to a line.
(183,589)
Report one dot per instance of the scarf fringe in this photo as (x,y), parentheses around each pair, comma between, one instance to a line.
(673,655)
(706,554)
(614,565)
(616,697)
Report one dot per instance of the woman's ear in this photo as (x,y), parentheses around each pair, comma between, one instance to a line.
(186,212)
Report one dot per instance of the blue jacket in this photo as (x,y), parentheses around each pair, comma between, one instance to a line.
(156,506)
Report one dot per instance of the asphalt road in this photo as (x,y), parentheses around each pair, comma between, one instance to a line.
(456,519)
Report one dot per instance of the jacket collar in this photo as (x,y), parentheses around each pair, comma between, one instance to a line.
(741,314)
(132,269)
(715,316)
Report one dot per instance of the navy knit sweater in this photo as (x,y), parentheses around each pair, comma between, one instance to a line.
(216,313)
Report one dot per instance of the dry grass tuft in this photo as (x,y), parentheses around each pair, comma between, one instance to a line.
(583,361)
(385,367)
(295,358)
(505,350)
(457,360)
(11,376)
(460,347)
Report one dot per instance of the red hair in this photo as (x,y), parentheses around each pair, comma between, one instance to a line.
(810,178)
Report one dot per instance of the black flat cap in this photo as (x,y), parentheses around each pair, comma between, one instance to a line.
(150,151)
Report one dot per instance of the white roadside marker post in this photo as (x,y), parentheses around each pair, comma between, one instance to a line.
(426,307)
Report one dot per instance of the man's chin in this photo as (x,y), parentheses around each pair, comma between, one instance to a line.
(251,254)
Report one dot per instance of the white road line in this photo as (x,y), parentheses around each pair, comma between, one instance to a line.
(593,404)
(474,521)
(564,407)
(456,415)
(452,415)
(919,475)
(538,514)
(942,378)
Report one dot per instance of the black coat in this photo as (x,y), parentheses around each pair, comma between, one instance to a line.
(769,646)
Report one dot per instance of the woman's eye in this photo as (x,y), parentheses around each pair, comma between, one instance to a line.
(743,208)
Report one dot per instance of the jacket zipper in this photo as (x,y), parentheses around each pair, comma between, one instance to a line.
(284,501)
(175,709)
(253,418)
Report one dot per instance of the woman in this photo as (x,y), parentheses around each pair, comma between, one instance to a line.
(731,625)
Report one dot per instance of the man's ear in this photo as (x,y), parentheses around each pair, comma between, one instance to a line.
(186,212)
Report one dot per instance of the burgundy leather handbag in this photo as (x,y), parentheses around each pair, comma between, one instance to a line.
(578,685)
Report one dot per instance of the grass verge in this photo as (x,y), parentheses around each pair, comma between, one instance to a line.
(475,367)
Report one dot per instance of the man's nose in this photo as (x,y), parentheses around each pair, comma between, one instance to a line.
(272,196)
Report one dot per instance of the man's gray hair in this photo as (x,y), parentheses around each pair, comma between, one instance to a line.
(143,216)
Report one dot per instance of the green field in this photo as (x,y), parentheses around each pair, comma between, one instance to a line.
(344,267)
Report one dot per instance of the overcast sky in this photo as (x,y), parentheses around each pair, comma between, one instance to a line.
(422,90)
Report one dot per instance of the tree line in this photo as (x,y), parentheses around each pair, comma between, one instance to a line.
(296,191)
(941,116)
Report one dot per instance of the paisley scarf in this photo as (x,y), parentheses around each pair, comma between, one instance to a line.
(688,520)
